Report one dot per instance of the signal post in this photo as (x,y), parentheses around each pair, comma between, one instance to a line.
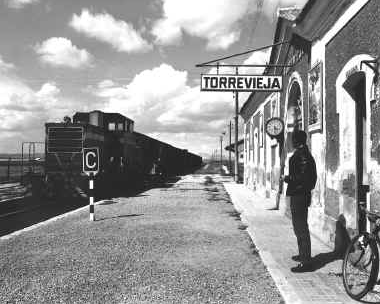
(91,168)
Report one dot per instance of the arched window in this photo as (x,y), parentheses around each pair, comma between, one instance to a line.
(294,113)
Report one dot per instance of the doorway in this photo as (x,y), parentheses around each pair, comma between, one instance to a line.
(355,85)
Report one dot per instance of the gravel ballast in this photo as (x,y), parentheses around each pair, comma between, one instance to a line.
(179,243)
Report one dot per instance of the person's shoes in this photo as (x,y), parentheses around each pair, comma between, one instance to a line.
(302,267)
(296,258)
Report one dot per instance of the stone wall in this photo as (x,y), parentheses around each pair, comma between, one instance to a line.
(359,37)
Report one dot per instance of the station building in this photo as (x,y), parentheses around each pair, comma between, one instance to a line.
(329,63)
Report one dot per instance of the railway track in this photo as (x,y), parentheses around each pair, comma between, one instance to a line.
(24,210)
(12,191)
(21,212)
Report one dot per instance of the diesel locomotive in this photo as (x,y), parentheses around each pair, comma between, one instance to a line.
(127,157)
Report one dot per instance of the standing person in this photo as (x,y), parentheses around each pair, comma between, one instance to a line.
(301,180)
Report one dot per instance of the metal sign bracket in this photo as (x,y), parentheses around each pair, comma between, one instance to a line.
(373,65)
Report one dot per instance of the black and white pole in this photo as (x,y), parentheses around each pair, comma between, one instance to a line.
(91,168)
(91,196)
(236,171)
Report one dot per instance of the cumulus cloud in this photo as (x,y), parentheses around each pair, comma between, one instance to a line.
(20,3)
(219,22)
(59,51)
(24,111)
(146,96)
(164,105)
(259,57)
(22,114)
(104,27)
(5,66)
(214,20)
(195,111)
(106,84)
(161,102)
(19,100)
(14,95)
(49,90)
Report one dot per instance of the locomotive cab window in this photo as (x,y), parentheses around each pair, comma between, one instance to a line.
(111,126)
(120,126)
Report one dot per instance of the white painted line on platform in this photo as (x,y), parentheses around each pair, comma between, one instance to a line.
(51,220)
(286,289)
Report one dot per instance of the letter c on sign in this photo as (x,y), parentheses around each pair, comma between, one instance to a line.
(93,165)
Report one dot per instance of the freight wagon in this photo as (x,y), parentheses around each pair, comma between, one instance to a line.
(127,158)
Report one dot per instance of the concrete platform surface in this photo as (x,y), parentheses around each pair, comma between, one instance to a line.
(273,235)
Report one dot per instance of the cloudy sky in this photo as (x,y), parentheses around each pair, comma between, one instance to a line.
(136,57)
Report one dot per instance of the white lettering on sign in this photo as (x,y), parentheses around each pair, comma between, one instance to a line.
(90,160)
(93,165)
(212,82)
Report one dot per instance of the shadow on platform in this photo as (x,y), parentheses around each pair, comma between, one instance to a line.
(119,216)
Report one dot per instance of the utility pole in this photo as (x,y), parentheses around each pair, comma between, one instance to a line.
(221,150)
(229,152)
(221,144)
(236,174)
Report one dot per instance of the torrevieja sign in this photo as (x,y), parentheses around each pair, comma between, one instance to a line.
(241,83)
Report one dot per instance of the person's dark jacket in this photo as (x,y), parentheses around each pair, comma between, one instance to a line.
(302,172)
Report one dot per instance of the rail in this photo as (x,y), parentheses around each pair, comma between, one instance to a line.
(12,169)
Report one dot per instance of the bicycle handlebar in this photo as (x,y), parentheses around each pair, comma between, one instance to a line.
(372,216)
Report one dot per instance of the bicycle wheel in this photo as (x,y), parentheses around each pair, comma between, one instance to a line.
(360,266)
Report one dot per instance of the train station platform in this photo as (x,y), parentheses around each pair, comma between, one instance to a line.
(171,244)
(179,242)
(273,235)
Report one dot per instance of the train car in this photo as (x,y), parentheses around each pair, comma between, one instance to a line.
(112,133)
(165,160)
(191,162)
(160,159)
(126,157)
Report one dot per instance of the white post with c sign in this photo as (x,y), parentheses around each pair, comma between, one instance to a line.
(91,160)
(91,168)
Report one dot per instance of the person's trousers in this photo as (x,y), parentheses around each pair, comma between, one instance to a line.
(299,205)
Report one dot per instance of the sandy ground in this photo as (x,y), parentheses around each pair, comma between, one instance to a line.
(181,243)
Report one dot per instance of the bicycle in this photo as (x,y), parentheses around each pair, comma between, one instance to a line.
(360,266)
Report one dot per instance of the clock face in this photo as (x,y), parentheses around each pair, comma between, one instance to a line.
(274,126)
